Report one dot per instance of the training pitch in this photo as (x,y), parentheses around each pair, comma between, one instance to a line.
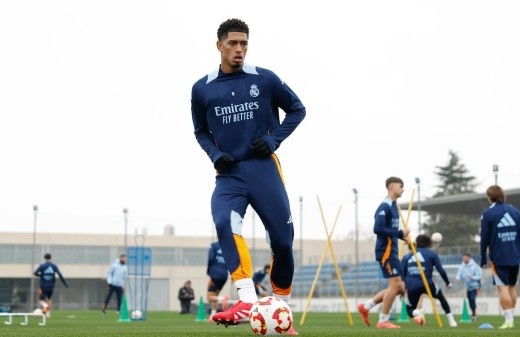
(163,324)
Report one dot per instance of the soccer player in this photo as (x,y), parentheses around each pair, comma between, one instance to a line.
(236,117)
(470,272)
(116,279)
(47,273)
(414,282)
(386,226)
(500,233)
(258,278)
(218,275)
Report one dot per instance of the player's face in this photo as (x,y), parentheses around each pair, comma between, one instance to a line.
(233,51)
(396,190)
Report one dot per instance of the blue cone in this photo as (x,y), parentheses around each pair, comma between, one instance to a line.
(485,326)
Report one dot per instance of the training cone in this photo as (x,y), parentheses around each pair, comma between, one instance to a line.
(465,314)
(123,314)
(201,315)
(404,315)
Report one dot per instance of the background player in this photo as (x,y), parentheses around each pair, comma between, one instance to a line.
(500,233)
(386,226)
(47,273)
(470,272)
(258,278)
(218,275)
(116,280)
(414,283)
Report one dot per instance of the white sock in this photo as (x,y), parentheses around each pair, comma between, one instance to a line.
(450,316)
(213,311)
(508,315)
(285,298)
(417,312)
(383,317)
(369,304)
(246,290)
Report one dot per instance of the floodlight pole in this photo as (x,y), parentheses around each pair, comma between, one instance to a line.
(301,245)
(418,182)
(356,224)
(125,212)
(495,171)
(253,221)
(31,301)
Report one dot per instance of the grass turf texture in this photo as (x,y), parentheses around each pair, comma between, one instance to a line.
(162,324)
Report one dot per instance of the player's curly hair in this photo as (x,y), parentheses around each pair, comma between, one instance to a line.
(232,25)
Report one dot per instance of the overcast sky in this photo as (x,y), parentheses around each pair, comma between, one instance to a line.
(95,106)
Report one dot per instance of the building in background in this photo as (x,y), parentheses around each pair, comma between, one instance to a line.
(84,259)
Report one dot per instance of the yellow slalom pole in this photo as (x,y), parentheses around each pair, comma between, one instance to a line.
(338,273)
(401,247)
(421,271)
(313,285)
(316,276)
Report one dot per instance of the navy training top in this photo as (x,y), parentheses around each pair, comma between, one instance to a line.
(500,232)
(231,110)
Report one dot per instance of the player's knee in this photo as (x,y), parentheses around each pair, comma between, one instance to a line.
(395,288)
(280,248)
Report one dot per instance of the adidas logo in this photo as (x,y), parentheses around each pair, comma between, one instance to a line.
(506,221)
(290,219)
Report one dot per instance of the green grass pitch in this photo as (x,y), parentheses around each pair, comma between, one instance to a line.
(163,324)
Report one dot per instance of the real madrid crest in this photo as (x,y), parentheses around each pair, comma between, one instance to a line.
(254,92)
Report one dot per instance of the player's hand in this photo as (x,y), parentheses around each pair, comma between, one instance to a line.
(261,149)
(224,163)
(405,233)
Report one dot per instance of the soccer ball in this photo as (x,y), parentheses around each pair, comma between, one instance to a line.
(270,316)
(436,237)
(37,311)
(137,314)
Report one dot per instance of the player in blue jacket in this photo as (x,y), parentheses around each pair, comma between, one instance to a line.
(258,278)
(116,280)
(386,226)
(235,112)
(470,273)
(47,273)
(218,275)
(414,283)
(500,233)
